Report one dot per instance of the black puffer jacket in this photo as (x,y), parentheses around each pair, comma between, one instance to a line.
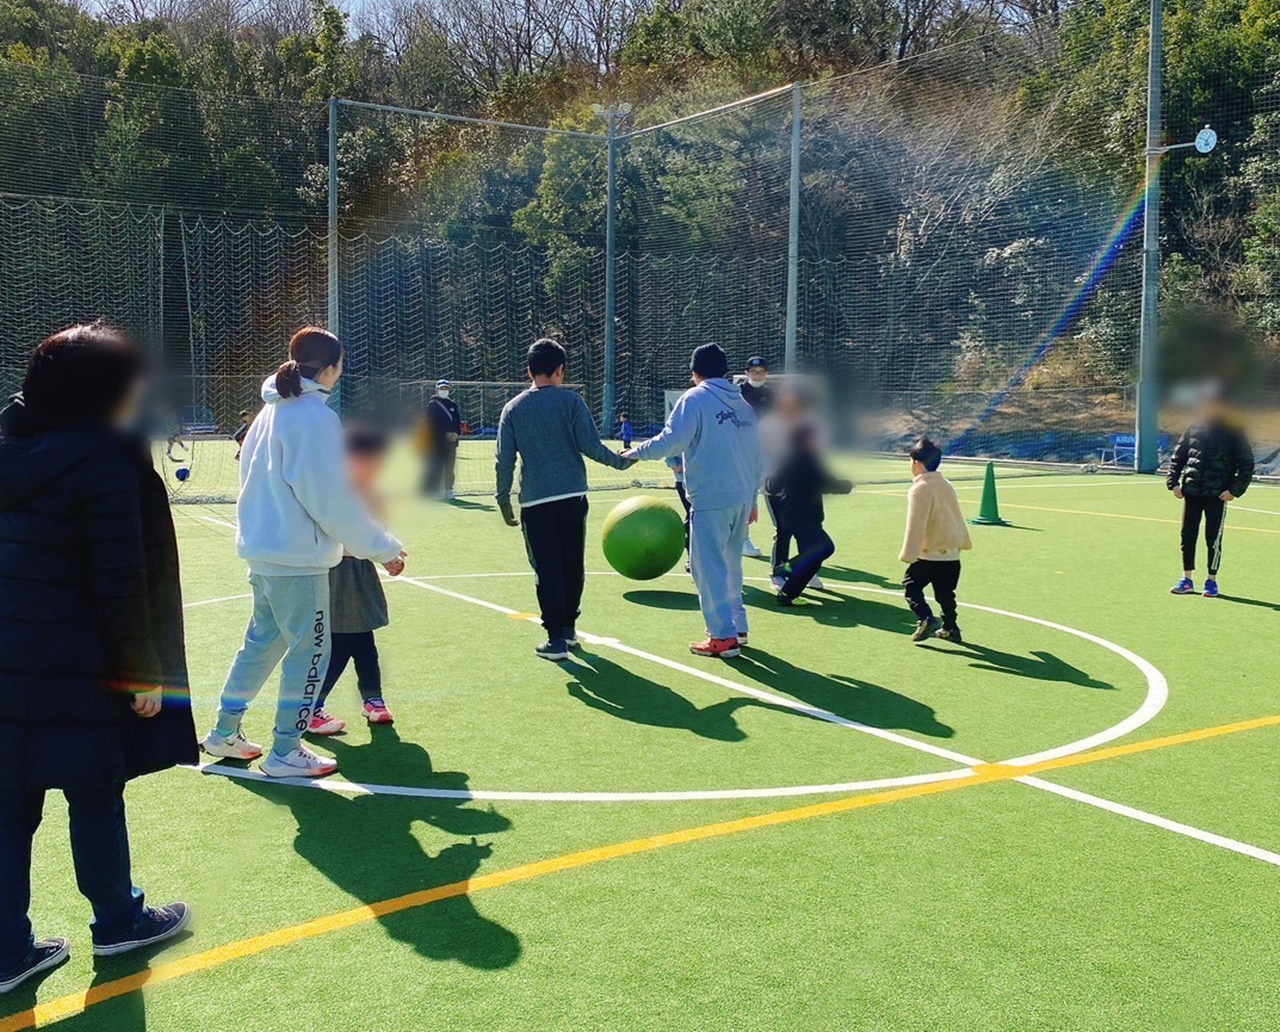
(1212,458)
(799,484)
(90,608)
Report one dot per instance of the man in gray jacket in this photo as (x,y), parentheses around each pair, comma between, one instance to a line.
(550,429)
(714,428)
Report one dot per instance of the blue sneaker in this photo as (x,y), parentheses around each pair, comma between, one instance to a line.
(45,954)
(1184,587)
(154,925)
(554,649)
(1211,589)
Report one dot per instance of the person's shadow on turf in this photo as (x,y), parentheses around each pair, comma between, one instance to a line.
(847,697)
(837,610)
(366,846)
(851,576)
(1038,666)
(612,689)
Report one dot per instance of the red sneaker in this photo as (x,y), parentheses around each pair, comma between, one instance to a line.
(324,724)
(719,648)
(376,712)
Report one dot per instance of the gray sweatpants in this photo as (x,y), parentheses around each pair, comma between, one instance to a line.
(715,559)
(290,622)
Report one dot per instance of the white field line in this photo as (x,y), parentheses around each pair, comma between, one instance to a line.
(211,601)
(355,788)
(1157,689)
(1245,508)
(1177,827)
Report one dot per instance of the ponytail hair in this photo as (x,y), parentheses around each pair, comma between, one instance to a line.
(311,350)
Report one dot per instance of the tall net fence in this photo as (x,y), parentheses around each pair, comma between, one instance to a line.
(967,250)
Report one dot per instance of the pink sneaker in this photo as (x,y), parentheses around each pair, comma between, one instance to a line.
(376,712)
(324,724)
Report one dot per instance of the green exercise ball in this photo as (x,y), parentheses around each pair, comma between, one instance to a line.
(643,538)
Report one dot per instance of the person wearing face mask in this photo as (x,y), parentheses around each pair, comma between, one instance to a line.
(93,672)
(759,395)
(445,422)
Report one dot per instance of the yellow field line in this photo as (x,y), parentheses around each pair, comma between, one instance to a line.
(75,1003)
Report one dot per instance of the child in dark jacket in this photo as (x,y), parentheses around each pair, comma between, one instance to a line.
(798,485)
(1212,465)
(357,603)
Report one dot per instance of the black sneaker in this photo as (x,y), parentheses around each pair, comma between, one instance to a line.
(155,925)
(951,634)
(44,955)
(553,648)
(571,636)
(924,628)
(783,599)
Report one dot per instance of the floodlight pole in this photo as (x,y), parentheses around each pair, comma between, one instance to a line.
(610,273)
(334,317)
(1146,452)
(793,231)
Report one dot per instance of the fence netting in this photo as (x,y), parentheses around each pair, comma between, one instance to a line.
(968,249)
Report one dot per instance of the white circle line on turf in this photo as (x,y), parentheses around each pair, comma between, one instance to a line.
(1156,697)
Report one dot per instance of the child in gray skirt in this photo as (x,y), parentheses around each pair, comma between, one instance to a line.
(358,605)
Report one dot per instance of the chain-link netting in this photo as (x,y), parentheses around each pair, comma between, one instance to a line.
(968,249)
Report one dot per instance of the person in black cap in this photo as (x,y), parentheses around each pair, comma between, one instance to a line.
(760,397)
(756,390)
(714,429)
(445,420)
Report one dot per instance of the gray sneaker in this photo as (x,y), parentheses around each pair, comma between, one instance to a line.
(926,628)
(298,763)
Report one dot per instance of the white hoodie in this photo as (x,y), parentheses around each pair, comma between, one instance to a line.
(297,510)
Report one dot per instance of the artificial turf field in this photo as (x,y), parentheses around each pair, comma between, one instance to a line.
(975,902)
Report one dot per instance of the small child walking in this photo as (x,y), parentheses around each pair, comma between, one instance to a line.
(356,599)
(795,490)
(625,429)
(936,535)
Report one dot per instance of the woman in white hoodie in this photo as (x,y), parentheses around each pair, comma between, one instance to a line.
(297,512)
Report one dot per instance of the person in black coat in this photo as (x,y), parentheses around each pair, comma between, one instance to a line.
(1211,466)
(93,676)
(445,420)
(797,487)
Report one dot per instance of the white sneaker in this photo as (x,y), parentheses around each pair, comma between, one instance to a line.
(300,763)
(450,495)
(751,550)
(815,582)
(777,582)
(231,747)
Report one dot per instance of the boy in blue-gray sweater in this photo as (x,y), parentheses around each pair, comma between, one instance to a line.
(714,428)
(550,430)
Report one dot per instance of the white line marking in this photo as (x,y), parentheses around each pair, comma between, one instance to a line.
(1245,508)
(211,601)
(1157,690)
(716,679)
(355,788)
(220,523)
(1266,856)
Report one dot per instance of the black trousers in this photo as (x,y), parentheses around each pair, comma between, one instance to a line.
(944,576)
(782,537)
(1213,512)
(555,536)
(440,466)
(99,853)
(688,510)
(816,547)
(361,648)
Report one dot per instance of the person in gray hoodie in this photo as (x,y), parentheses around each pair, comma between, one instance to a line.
(714,428)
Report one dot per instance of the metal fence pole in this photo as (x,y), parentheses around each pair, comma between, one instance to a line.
(334,315)
(610,277)
(1147,423)
(793,231)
